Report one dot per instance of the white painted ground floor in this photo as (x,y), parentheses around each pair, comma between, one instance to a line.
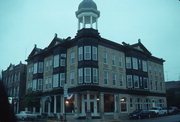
(97,104)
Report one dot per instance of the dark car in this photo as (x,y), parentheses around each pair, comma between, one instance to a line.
(139,114)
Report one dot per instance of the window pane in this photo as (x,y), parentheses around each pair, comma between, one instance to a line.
(94,53)
(80,53)
(35,68)
(87,75)
(129,81)
(62,79)
(120,61)
(121,79)
(72,57)
(56,61)
(55,80)
(136,81)
(87,50)
(128,62)
(106,77)
(80,75)
(135,63)
(72,77)
(95,75)
(114,78)
(105,57)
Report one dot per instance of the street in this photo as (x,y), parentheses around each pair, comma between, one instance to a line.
(172,118)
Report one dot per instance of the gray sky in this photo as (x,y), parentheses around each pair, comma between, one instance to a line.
(24,23)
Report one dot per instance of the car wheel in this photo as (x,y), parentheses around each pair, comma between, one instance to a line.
(139,117)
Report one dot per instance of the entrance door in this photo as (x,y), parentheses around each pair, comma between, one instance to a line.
(92,107)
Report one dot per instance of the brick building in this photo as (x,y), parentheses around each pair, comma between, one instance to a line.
(102,76)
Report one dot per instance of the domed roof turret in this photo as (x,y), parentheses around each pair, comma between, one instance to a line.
(87,4)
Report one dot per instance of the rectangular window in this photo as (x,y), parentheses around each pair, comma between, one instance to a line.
(39,84)
(87,75)
(62,62)
(34,85)
(40,67)
(106,75)
(47,66)
(95,75)
(72,57)
(87,52)
(144,66)
(56,61)
(50,82)
(140,64)
(46,83)
(145,83)
(55,80)
(80,53)
(140,82)
(128,62)
(120,61)
(62,79)
(113,60)
(94,53)
(121,78)
(35,68)
(80,75)
(129,81)
(105,57)
(135,63)
(114,78)
(72,77)
(136,81)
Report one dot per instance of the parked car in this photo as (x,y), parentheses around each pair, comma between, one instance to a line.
(173,110)
(159,111)
(139,114)
(26,115)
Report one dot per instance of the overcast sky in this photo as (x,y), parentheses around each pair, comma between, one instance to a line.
(24,23)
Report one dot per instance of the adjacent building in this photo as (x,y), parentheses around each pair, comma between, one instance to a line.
(101,76)
(14,80)
(172,84)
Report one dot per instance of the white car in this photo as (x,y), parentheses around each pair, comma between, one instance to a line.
(159,111)
(25,115)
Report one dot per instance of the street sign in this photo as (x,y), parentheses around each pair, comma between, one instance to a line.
(65,90)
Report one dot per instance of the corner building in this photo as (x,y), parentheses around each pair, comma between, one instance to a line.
(102,76)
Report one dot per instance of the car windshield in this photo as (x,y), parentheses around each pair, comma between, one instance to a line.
(28,112)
